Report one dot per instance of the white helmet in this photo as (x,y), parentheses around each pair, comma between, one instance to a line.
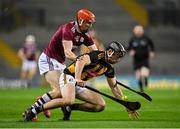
(30,38)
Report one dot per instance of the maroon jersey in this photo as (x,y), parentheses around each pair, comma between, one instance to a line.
(30,51)
(67,31)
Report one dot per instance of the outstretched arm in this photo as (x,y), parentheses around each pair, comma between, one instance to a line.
(115,90)
(119,94)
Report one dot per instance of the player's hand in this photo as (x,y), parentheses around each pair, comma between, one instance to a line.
(152,54)
(131,52)
(133,114)
(80,83)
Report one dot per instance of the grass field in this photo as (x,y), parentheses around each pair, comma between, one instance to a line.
(162,112)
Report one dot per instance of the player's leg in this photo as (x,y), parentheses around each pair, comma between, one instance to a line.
(52,78)
(68,98)
(48,68)
(38,103)
(24,75)
(144,75)
(24,70)
(32,70)
(67,91)
(137,66)
(139,78)
(51,74)
(51,69)
(93,102)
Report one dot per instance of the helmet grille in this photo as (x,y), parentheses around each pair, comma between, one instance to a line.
(118,48)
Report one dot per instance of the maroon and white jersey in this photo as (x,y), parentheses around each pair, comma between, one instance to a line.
(67,31)
(30,51)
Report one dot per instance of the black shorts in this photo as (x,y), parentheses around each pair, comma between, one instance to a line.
(139,64)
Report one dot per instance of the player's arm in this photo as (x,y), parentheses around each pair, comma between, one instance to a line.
(81,61)
(67,44)
(115,90)
(151,45)
(119,94)
(111,79)
(130,48)
(37,55)
(21,54)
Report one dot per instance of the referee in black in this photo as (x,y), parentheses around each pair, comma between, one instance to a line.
(141,48)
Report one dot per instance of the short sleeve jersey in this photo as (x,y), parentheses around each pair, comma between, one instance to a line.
(67,31)
(97,67)
(141,46)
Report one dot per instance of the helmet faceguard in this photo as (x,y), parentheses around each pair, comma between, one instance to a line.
(117,48)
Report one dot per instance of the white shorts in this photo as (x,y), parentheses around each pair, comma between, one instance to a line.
(65,78)
(46,64)
(28,64)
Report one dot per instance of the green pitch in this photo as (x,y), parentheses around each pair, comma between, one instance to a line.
(162,112)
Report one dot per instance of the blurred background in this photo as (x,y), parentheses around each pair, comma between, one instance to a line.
(115,20)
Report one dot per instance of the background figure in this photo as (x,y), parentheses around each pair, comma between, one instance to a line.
(141,48)
(29,55)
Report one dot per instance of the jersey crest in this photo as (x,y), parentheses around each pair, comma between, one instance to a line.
(101,55)
(77,38)
(81,39)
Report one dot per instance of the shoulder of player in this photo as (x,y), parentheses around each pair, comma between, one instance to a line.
(68,26)
(132,39)
(98,54)
(87,35)
(146,37)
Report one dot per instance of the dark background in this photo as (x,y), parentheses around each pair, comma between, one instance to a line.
(41,18)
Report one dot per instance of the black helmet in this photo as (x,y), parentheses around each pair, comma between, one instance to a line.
(117,47)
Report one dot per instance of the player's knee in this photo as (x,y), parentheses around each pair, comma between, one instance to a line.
(68,101)
(55,93)
(99,108)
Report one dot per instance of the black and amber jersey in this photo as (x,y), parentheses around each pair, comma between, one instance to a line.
(97,67)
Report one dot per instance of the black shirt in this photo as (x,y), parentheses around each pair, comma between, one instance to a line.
(97,67)
(142,46)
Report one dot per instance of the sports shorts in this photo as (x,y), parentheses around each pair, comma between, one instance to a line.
(65,78)
(46,64)
(139,64)
(28,65)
